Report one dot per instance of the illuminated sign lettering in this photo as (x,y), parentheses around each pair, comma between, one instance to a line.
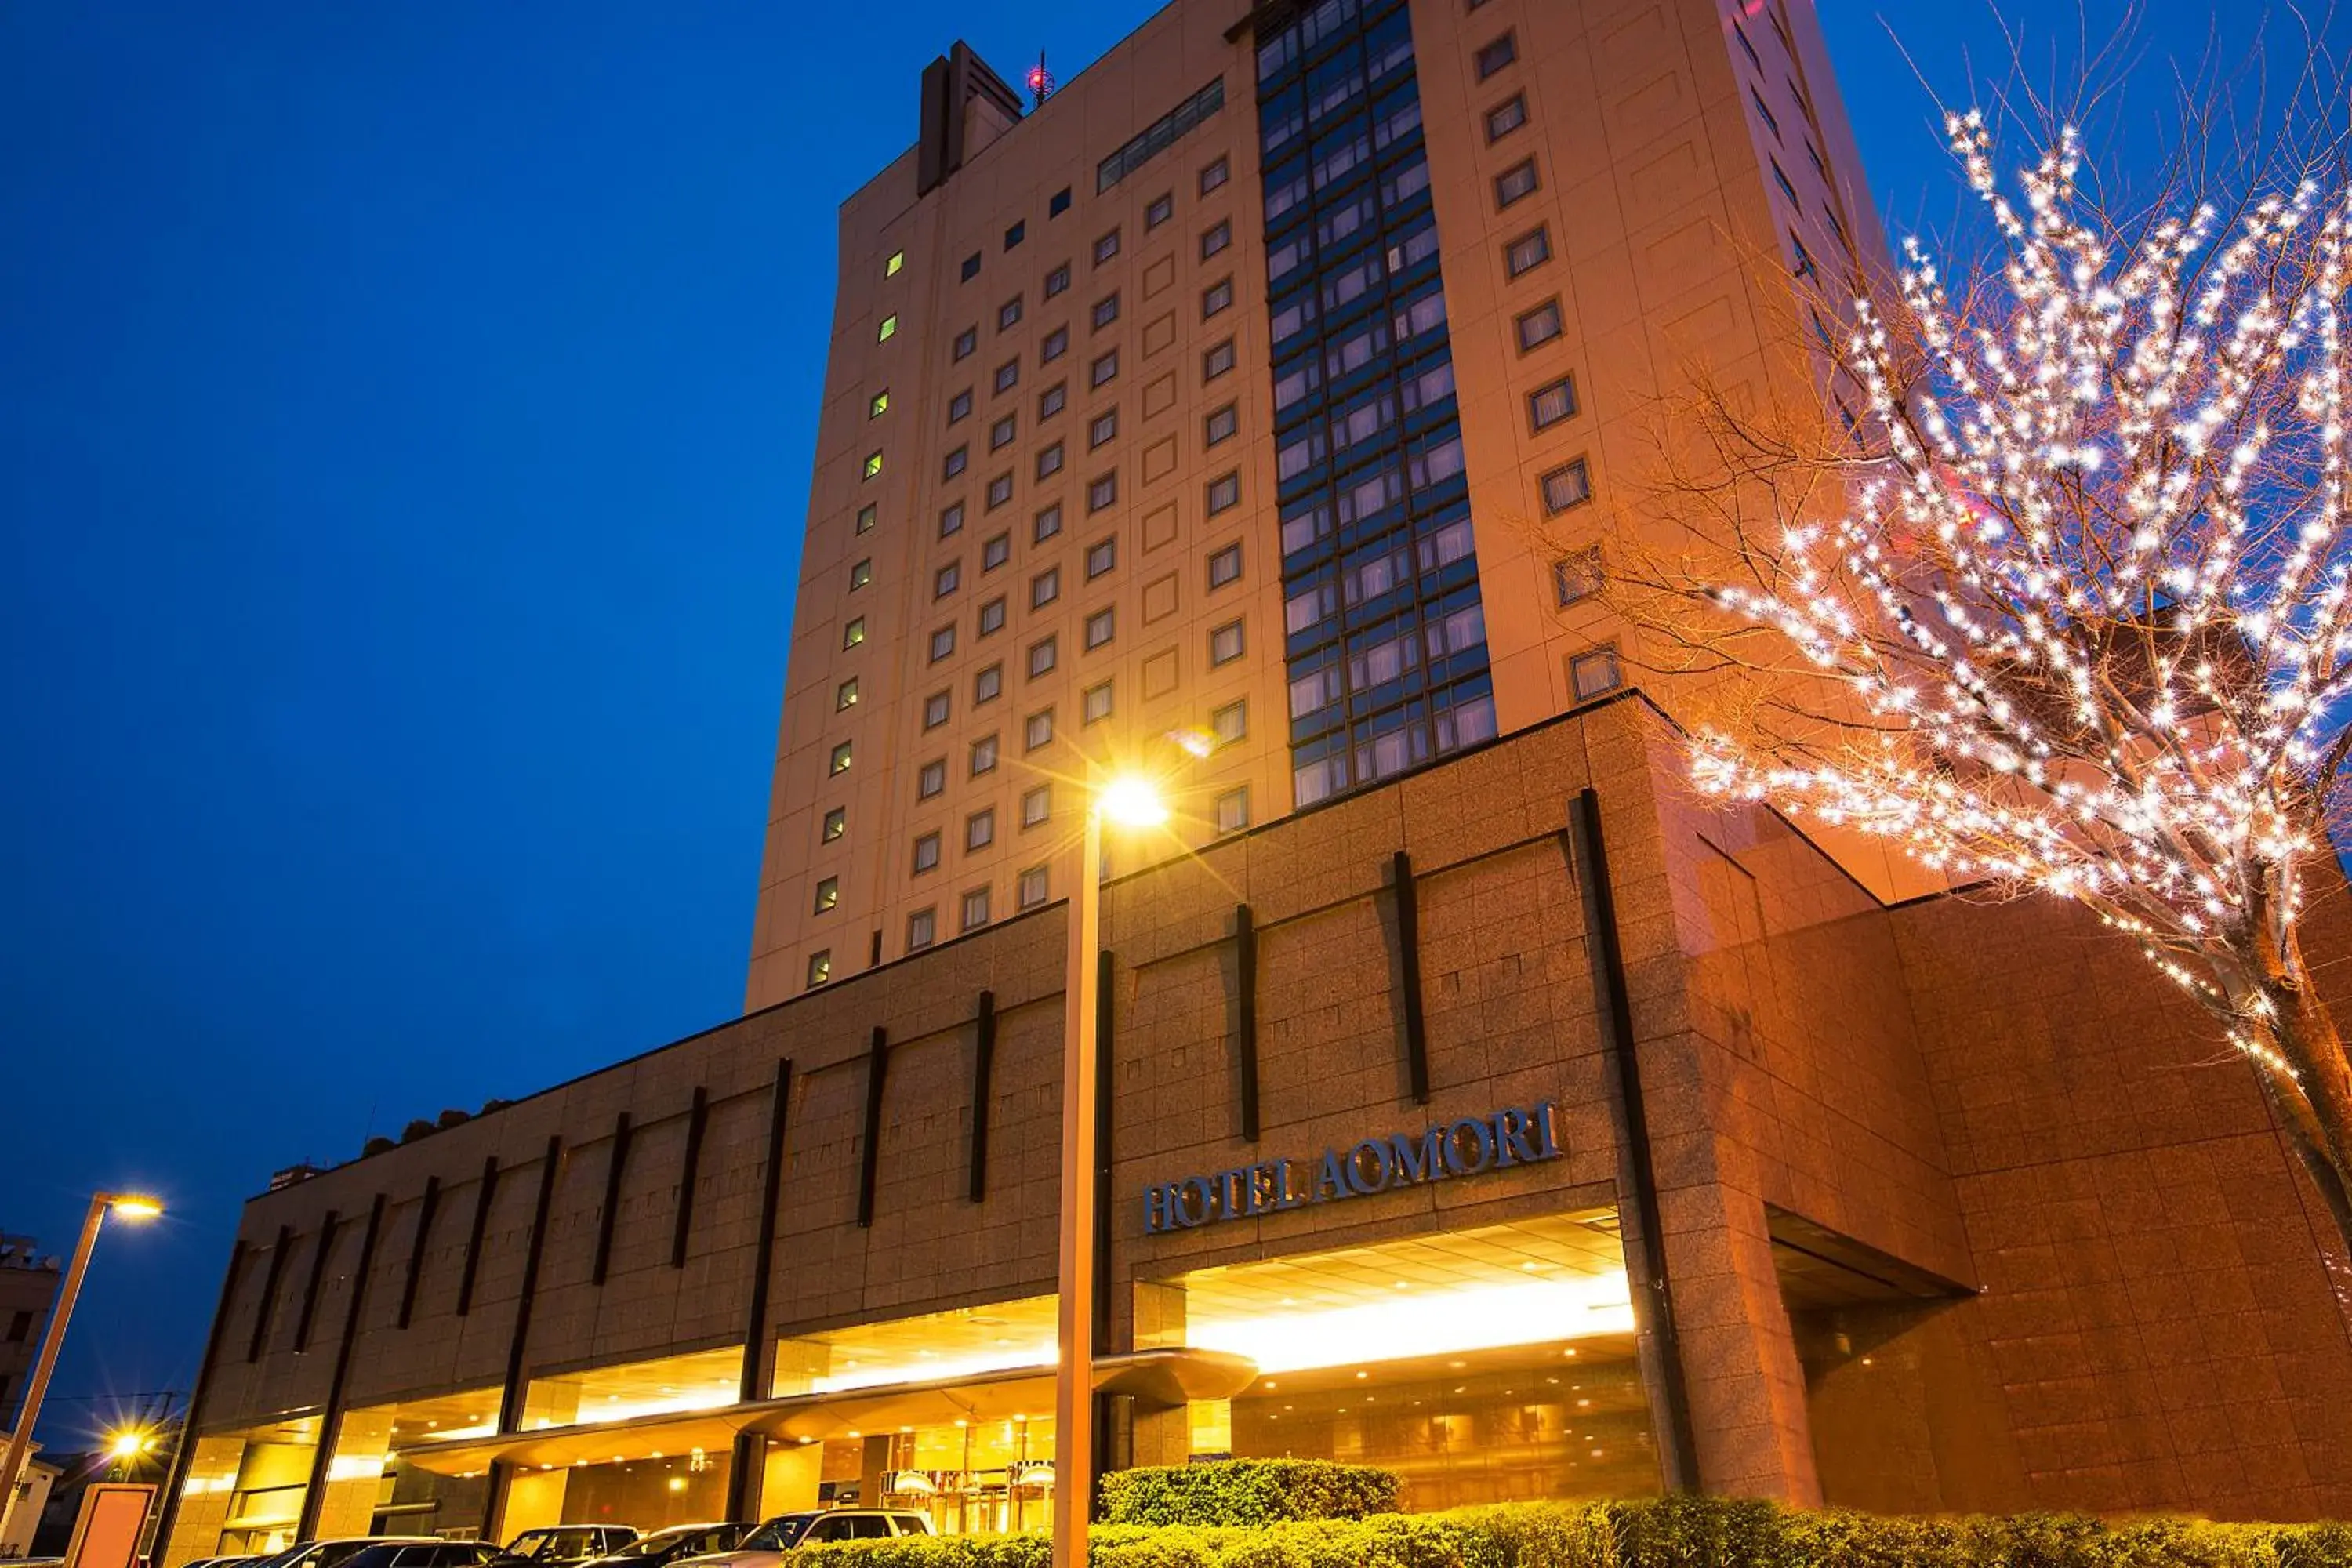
(1468,1147)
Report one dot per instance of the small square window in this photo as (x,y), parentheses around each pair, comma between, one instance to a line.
(861,574)
(1015,234)
(1594,674)
(1057,280)
(947,579)
(1038,805)
(1224,493)
(967,342)
(872,465)
(1055,344)
(959,406)
(988,685)
(1216,237)
(1493,57)
(1000,491)
(1042,657)
(1104,369)
(1046,587)
(926,853)
(1094,706)
(828,894)
(1222,425)
(1162,209)
(1101,556)
(837,823)
(1568,486)
(1060,202)
(983,756)
(1551,404)
(1101,626)
(1106,248)
(980,830)
(839,762)
(1225,644)
(991,616)
(922,929)
(845,696)
(1538,326)
(1053,400)
(1105,310)
(1215,174)
(1217,360)
(1528,252)
(879,405)
(1576,577)
(975,909)
(1008,375)
(888,330)
(930,778)
(866,516)
(1102,493)
(1033,887)
(890,268)
(942,643)
(936,710)
(1225,566)
(996,551)
(1217,297)
(1232,810)
(1506,117)
(950,520)
(1516,183)
(820,967)
(971,266)
(854,633)
(1046,524)
(1229,723)
(1049,461)
(1102,428)
(955,462)
(1037,730)
(1000,434)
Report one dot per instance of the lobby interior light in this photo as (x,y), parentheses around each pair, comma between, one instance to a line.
(1130,800)
(1431,1322)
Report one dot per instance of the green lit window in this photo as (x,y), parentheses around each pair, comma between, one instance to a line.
(888,330)
(880,405)
(854,633)
(840,763)
(890,268)
(873,464)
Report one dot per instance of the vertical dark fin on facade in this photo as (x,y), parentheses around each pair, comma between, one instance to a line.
(270,1280)
(613,1167)
(1416,1027)
(427,1207)
(518,1342)
(763,1261)
(314,1496)
(697,1121)
(310,1312)
(870,1164)
(483,1196)
(983,1070)
(1245,1019)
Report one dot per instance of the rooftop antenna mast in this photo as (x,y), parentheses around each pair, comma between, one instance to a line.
(1041,81)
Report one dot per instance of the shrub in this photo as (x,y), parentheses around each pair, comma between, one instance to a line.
(1245,1492)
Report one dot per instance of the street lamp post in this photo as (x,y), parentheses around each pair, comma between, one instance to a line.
(1130,801)
(20,1442)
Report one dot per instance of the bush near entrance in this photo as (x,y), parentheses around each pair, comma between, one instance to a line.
(1247,1492)
(1672,1532)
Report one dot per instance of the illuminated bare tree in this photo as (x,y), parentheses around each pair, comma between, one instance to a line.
(2077,584)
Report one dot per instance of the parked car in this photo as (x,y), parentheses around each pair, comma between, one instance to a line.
(664,1547)
(334,1552)
(766,1547)
(423,1555)
(558,1546)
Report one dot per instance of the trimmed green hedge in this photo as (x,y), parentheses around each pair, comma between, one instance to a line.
(1245,1492)
(1674,1532)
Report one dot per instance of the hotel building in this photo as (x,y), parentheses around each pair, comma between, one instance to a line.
(1475,1101)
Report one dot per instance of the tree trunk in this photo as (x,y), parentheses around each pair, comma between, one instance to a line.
(2320,1121)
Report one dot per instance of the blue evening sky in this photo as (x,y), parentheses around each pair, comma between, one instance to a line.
(405,414)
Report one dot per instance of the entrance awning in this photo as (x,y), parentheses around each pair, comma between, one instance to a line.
(1163,1378)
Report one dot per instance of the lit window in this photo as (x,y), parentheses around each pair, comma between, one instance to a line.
(991,616)
(922,929)
(1008,314)
(983,756)
(1101,556)
(1104,369)
(1225,566)
(980,830)
(1549,405)
(1059,204)
(971,266)
(1101,626)
(1229,723)
(1569,485)
(942,643)
(1046,524)
(873,464)
(1232,810)
(1493,57)
(845,696)
(1516,183)
(879,405)
(1038,805)
(955,462)
(951,519)
(1225,644)
(967,342)
(1506,117)
(890,268)
(1037,730)
(1053,400)
(1538,326)
(1042,657)
(828,894)
(1015,235)
(947,579)
(1576,576)
(936,710)
(1215,174)
(1000,434)
(1094,706)
(1049,461)
(1104,428)
(1000,491)
(1055,344)
(988,685)
(975,909)
(861,574)
(1106,248)
(866,516)
(1105,310)
(1217,297)
(1594,674)
(1033,887)
(854,633)
(1528,252)
(1102,493)
(996,551)
(1217,360)
(839,762)
(1220,424)
(820,967)
(1215,239)
(888,330)
(837,823)
(1008,375)
(1057,280)
(1162,209)
(959,406)
(930,778)
(926,853)
(1046,587)
(1224,493)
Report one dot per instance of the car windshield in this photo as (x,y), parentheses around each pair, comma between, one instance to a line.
(778,1534)
(541,1545)
(659,1541)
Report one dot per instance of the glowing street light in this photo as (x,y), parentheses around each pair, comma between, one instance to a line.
(130,1206)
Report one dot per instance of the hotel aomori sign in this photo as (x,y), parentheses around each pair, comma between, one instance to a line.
(1468,1147)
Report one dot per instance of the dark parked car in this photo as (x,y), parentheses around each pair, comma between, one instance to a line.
(423,1555)
(561,1545)
(337,1551)
(667,1546)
